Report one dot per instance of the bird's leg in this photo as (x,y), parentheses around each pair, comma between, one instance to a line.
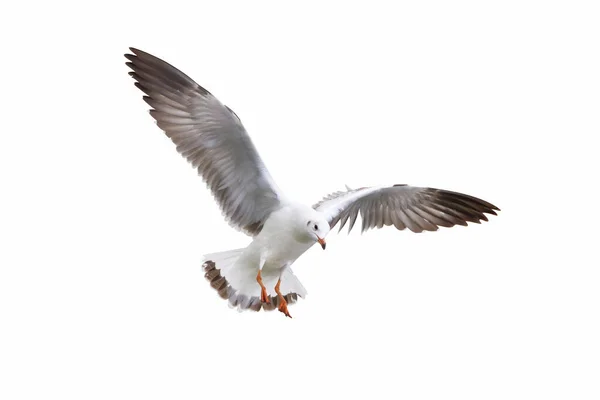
(282,303)
(264,297)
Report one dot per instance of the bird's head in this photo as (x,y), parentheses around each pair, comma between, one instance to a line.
(315,228)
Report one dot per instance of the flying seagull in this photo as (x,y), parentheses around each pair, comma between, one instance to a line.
(212,138)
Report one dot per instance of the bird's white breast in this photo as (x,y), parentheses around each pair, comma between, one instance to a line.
(277,240)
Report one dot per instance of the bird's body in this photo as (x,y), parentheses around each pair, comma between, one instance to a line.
(277,241)
(212,138)
(275,248)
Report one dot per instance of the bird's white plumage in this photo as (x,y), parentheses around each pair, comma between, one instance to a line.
(212,138)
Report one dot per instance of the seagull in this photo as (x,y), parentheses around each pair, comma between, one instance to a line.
(212,138)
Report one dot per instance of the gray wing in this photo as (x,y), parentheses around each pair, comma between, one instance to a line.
(211,137)
(415,208)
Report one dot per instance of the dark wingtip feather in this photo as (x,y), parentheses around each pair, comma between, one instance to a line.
(474,206)
(137,52)
(140,86)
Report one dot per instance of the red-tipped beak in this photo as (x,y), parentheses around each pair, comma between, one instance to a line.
(321,242)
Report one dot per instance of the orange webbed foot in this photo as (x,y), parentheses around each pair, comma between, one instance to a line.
(283,307)
(282,303)
(264,297)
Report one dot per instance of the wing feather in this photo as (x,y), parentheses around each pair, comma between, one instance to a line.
(418,209)
(212,138)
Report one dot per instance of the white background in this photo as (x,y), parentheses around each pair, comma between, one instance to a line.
(103,224)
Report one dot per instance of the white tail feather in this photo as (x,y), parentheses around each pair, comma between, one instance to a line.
(234,277)
(224,260)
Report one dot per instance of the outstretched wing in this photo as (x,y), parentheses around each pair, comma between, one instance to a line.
(211,137)
(415,208)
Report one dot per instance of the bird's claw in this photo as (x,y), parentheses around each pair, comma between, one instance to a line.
(264,297)
(283,308)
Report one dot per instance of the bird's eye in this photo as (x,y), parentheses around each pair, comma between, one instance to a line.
(316,227)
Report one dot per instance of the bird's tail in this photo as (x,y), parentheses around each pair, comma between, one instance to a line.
(235,281)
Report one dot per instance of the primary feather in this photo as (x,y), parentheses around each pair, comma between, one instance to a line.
(418,209)
(212,138)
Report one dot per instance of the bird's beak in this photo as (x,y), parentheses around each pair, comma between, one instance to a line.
(321,242)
